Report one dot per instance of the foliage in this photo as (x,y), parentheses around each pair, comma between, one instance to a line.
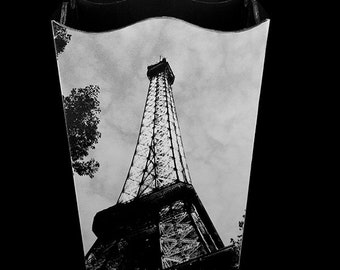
(237,244)
(61,38)
(81,112)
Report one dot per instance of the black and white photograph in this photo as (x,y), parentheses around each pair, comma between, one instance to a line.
(161,117)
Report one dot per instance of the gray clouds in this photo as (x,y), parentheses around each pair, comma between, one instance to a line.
(216,90)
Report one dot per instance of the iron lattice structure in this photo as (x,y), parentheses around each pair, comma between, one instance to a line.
(159,221)
(159,158)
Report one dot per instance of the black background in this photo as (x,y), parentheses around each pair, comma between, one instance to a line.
(41,220)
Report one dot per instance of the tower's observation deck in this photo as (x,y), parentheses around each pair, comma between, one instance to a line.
(158,68)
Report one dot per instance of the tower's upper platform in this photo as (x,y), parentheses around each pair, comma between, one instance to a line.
(161,66)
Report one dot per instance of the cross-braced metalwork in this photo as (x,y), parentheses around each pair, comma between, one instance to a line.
(159,221)
(159,158)
(180,239)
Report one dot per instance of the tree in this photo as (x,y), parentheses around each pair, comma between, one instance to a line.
(61,38)
(81,109)
(237,244)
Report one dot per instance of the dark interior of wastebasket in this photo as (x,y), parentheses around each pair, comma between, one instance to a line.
(106,15)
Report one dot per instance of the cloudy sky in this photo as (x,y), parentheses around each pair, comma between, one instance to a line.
(216,91)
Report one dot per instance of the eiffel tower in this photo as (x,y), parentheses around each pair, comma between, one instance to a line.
(159,221)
